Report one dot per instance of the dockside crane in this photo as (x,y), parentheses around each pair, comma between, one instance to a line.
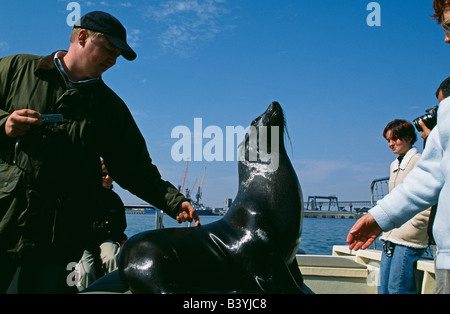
(188,192)
(200,189)
(180,189)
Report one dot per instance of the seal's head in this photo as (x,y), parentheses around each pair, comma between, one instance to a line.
(273,117)
(264,141)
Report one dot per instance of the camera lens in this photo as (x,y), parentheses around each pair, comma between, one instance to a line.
(429,119)
(417,125)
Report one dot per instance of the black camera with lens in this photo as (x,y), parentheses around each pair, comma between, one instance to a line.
(430,119)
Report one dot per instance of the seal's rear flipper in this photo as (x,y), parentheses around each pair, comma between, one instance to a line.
(281,278)
(295,272)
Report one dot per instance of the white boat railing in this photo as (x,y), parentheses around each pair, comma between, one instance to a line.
(379,188)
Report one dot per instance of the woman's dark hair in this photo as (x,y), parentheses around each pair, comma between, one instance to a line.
(401,129)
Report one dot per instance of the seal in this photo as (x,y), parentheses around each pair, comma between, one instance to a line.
(252,249)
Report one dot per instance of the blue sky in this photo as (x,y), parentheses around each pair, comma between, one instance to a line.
(339,80)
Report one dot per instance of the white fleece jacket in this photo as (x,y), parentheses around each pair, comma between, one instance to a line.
(427,184)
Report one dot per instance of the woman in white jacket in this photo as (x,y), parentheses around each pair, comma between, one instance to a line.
(403,246)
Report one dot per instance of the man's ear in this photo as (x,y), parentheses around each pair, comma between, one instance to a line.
(82,37)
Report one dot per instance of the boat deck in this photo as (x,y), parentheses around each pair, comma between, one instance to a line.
(350,272)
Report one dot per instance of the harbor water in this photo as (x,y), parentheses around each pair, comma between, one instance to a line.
(319,235)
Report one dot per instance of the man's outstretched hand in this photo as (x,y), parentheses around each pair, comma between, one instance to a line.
(364,233)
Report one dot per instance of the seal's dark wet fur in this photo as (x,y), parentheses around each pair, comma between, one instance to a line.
(252,249)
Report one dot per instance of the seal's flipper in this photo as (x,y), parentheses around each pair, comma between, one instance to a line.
(295,271)
(278,278)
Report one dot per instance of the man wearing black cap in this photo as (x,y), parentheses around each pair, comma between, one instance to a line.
(58,117)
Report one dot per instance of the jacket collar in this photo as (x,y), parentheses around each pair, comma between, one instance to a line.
(405,160)
(46,65)
(46,69)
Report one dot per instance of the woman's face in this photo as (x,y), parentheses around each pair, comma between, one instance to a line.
(398,146)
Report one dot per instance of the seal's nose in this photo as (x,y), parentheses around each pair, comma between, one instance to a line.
(275,106)
(274,114)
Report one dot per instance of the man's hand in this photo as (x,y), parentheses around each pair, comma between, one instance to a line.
(187,213)
(425,130)
(20,122)
(364,233)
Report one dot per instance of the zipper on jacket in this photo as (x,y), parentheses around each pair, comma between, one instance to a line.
(16,151)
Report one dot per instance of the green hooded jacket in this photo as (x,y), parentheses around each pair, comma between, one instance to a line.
(50,178)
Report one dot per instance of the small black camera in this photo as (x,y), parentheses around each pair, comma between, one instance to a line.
(430,119)
(52,118)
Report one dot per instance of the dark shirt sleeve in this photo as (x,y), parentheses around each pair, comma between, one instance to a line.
(127,159)
(4,84)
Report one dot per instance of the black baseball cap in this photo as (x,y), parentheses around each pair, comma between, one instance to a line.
(108,25)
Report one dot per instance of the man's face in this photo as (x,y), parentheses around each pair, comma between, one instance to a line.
(107,181)
(441,96)
(98,56)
